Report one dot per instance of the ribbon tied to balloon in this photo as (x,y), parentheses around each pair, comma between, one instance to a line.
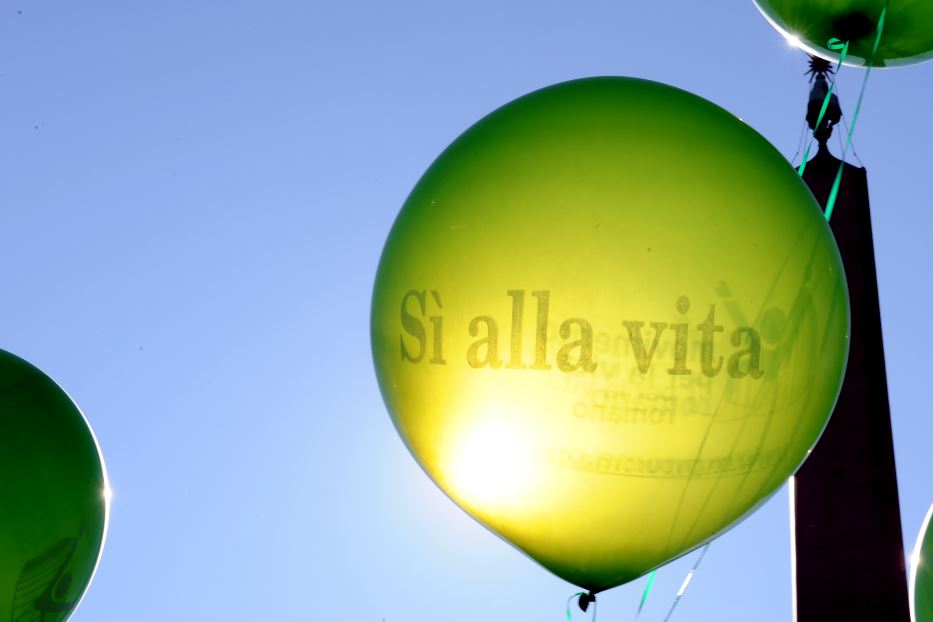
(609,322)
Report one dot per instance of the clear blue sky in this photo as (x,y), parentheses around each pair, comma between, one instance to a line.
(193,198)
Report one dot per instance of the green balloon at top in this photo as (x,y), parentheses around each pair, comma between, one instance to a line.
(907,36)
(921,576)
(53,497)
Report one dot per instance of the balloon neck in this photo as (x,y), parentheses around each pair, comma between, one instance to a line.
(585,600)
(854,26)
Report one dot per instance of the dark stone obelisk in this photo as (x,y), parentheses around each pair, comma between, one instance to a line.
(850,563)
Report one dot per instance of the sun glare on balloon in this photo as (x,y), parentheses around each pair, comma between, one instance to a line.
(490,465)
(794,41)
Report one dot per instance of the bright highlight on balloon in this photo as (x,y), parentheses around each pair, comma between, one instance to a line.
(609,322)
(794,41)
(490,465)
(921,573)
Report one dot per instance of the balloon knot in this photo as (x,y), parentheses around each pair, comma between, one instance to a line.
(585,600)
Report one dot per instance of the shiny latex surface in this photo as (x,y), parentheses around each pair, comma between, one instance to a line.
(907,36)
(921,575)
(53,510)
(609,321)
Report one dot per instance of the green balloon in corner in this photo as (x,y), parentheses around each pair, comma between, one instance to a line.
(921,574)
(906,38)
(53,497)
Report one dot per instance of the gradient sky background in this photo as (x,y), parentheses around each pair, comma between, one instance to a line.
(193,199)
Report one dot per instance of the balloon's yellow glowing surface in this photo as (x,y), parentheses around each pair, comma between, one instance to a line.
(609,322)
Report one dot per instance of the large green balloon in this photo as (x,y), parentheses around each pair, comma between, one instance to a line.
(53,506)
(907,36)
(921,575)
(609,322)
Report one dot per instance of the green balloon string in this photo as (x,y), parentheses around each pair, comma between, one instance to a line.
(644,596)
(683,588)
(834,44)
(834,192)
(570,600)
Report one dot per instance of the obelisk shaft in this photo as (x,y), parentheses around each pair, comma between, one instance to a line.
(850,562)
